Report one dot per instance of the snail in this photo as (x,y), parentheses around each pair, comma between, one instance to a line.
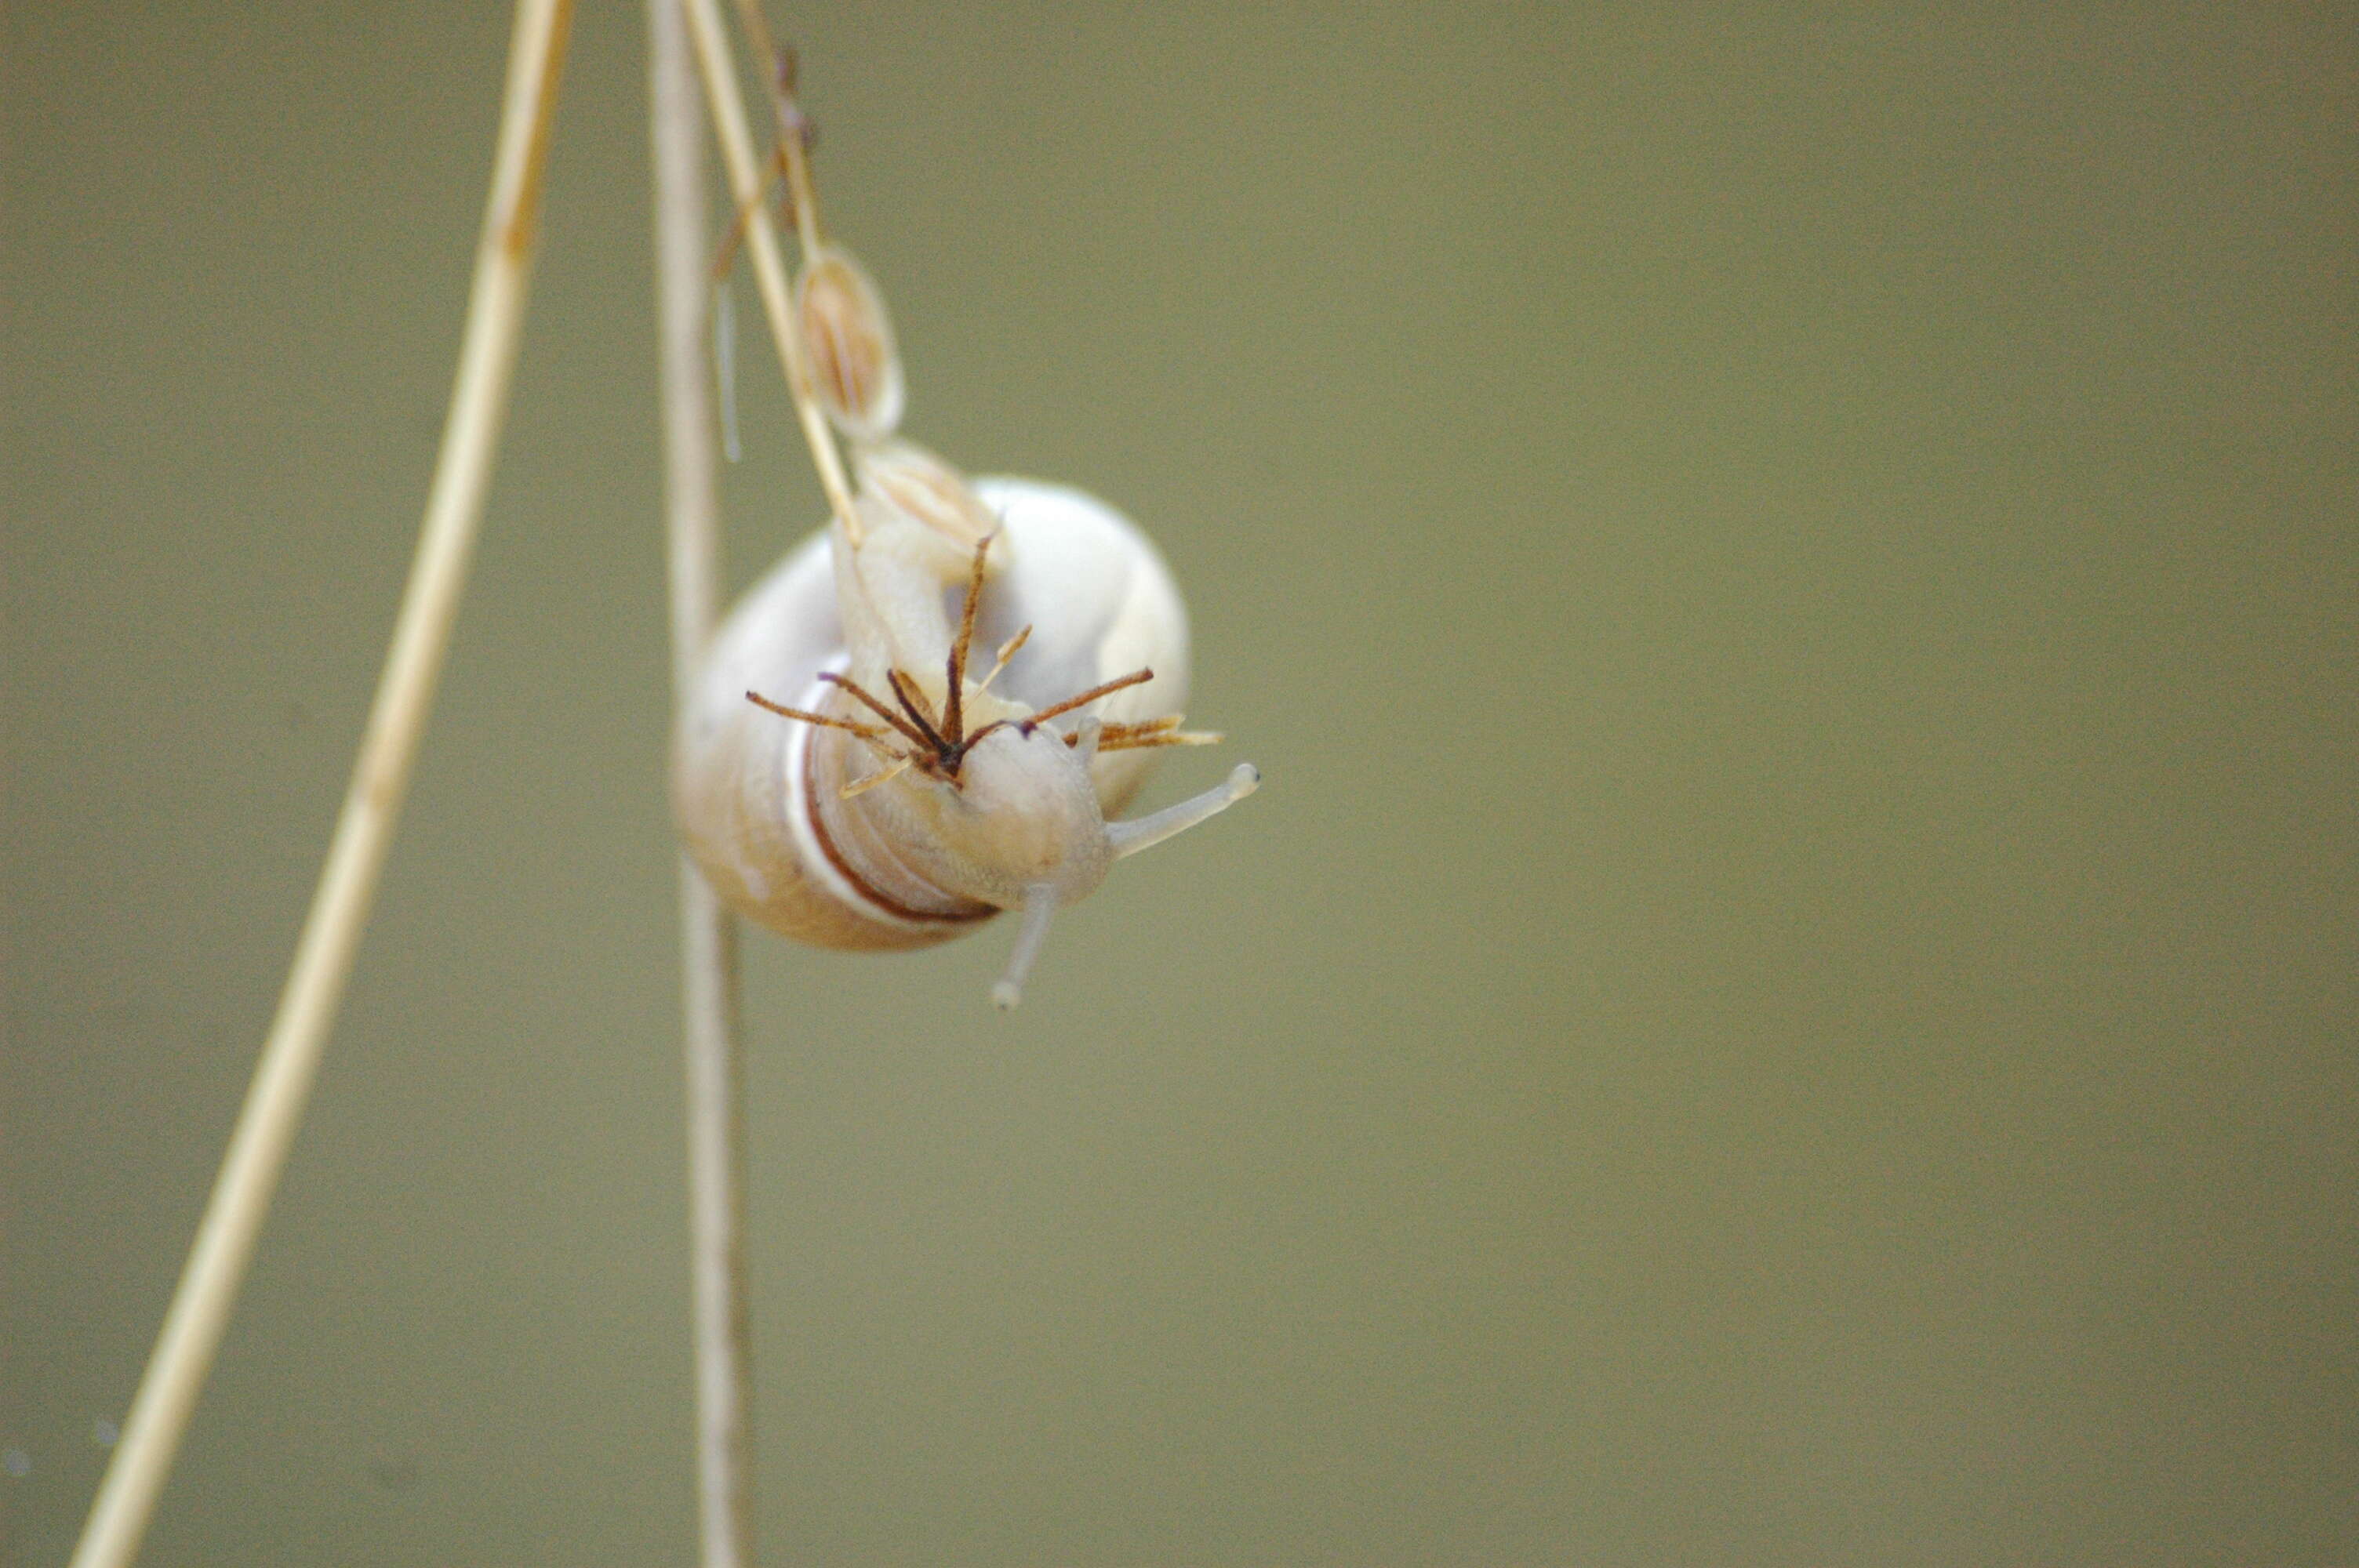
(850,770)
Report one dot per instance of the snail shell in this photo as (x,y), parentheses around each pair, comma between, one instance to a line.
(760,799)
(839,773)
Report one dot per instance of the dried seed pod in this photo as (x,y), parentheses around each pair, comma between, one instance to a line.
(843,323)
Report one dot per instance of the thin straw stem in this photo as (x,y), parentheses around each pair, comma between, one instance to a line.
(793,152)
(746,186)
(291,1055)
(713,1057)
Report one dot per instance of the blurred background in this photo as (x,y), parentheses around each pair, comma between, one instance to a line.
(1789,996)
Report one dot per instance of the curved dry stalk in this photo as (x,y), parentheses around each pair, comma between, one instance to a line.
(291,1055)
(711,1052)
(718,66)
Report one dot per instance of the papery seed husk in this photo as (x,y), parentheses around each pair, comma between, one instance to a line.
(914,480)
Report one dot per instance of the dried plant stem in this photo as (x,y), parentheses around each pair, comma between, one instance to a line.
(747,188)
(792,150)
(290,1056)
(713,1057)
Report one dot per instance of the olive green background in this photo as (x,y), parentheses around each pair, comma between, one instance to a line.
(1788,998)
